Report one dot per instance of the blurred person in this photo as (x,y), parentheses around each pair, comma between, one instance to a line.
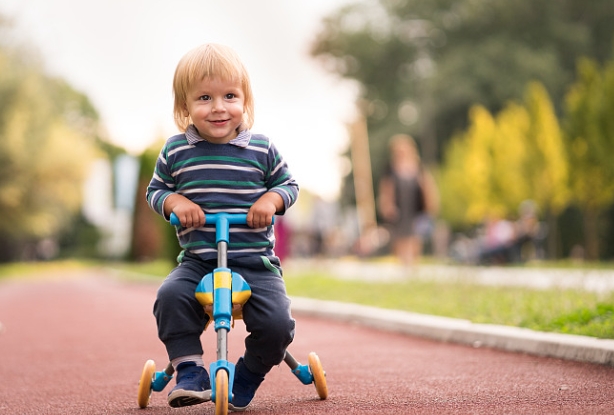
(218,165)
(407,199)
(323,222)
(530,232)
(497,243)
(282,239)
(507,241)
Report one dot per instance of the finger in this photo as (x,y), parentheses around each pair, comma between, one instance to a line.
(196,219)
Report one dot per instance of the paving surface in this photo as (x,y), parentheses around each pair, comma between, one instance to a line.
(77,346)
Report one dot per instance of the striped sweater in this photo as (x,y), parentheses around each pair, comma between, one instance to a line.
(222,178)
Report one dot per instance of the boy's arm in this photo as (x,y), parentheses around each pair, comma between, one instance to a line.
(189,213)
(162,198)
(281,181)
(261,213)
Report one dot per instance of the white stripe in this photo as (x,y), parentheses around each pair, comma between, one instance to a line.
(175,150)
(278,167)
(215,167)
(259,149)
(221,190)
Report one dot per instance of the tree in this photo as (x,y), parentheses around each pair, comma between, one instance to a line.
(589,134)
(482,174)
(501,161)
(48,134)
(423,64)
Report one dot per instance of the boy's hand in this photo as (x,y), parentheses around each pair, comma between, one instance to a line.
(261,213)
(189,213)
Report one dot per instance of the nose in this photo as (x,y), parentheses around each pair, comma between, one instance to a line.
(218,105)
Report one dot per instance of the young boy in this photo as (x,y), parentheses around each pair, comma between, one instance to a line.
(218,165)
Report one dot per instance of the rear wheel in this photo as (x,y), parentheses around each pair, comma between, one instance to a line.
(319,376)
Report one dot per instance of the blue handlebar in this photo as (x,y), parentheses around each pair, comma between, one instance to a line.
(214,218)
(221,221)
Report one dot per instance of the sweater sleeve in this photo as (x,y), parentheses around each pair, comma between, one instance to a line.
(161,185)
(280,179)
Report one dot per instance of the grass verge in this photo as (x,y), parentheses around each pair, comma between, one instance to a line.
(554,310)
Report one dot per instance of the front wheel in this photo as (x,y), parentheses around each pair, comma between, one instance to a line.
(221,392)
(319,376)
(145,383)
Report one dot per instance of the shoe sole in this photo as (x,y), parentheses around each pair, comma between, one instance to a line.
(181,397)
(237,408)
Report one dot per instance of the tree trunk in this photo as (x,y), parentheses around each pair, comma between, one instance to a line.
(591,234)
(552,239)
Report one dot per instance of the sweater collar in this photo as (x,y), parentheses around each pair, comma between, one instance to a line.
(241,140)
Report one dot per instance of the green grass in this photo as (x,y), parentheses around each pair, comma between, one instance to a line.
(554,310)
(36,269)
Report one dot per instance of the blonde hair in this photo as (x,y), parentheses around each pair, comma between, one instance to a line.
(210,61)
(404,143)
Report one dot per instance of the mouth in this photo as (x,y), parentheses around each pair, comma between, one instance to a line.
(218,122)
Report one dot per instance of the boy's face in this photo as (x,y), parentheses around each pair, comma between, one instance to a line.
(216,108)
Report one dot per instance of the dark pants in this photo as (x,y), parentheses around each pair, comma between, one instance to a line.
(181,318)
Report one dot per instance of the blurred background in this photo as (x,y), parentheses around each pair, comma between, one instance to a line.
(509,103)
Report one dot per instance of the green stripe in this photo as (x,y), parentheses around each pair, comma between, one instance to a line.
(269,266)
(264,143)
(172,145)
(232,160)
(281,180)
(231,183)
(249,245)
(164,177)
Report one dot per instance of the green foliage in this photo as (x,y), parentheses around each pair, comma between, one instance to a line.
(545,165)
(445,56)
(442,58)
(589,134)
(48,135)
(502,160)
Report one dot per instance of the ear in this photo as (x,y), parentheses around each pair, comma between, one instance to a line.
(185,111)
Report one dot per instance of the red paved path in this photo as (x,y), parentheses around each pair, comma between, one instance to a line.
(77,346)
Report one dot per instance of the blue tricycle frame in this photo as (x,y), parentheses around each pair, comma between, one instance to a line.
(222,293)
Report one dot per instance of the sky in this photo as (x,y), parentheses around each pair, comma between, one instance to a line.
(122,54)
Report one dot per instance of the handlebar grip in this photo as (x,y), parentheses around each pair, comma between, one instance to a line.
(174,220)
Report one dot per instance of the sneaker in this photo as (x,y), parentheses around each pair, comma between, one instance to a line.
(244,388)
(193,386)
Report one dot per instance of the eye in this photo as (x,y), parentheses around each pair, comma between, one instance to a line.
(204,98)
(230,96)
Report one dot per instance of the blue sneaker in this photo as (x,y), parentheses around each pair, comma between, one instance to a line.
(193,386)
(244,388)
